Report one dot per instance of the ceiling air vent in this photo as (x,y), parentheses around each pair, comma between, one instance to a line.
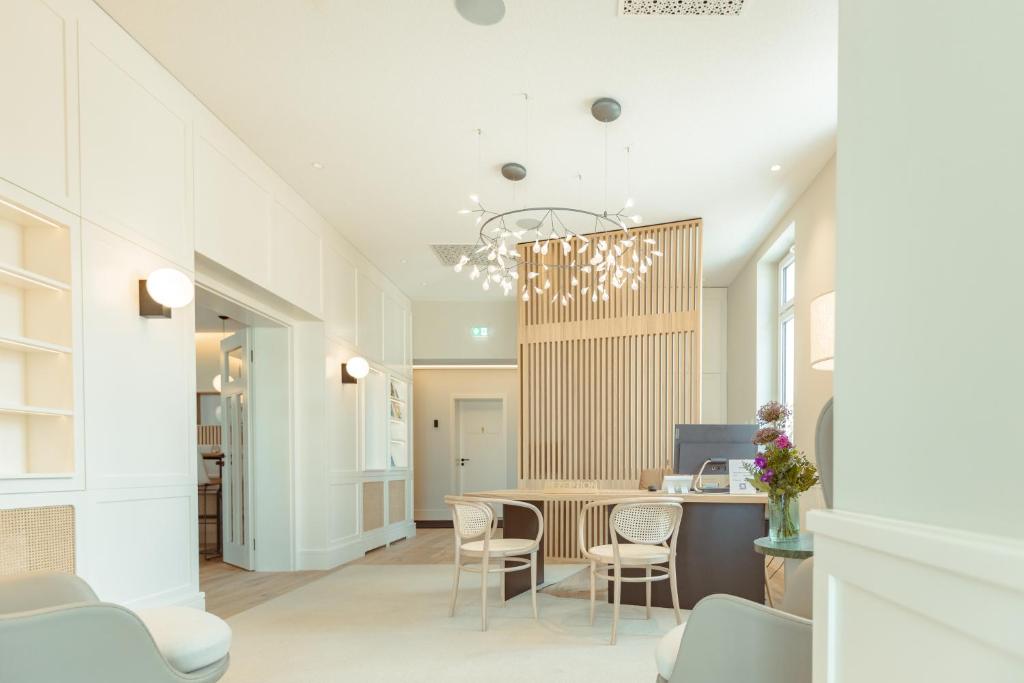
(652,8)
(449,254)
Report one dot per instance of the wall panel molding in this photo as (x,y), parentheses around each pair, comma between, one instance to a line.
(603,384)
(934,584)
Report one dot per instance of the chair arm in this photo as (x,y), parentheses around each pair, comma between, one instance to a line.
(775,646)
(25,592)
(89,643)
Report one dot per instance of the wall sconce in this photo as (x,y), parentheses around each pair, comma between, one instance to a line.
(354,370)
(163,290)
(823,332)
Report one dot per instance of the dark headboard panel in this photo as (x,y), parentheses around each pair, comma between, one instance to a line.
(693,444)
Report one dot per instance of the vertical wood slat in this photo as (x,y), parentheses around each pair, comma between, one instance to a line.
(602,385)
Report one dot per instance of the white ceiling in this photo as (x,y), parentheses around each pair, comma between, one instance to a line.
(387,95)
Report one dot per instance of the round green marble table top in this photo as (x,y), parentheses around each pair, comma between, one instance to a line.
(799,549)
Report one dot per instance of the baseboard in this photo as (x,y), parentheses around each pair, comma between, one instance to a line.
(329,558)
(432,514)
(442,524)
(897,600)
(389,534)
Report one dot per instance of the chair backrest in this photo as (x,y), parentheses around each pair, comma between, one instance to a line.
(652,523)
(823,448)
(470,518)
(39,590)
(719,620)
(652,477)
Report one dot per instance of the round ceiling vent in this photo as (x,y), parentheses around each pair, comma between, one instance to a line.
(481,12)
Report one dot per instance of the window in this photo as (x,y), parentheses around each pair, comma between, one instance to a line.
(787,329)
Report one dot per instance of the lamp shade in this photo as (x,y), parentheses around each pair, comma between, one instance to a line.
(216,382)
(823,332)
(170,287)
(357,367)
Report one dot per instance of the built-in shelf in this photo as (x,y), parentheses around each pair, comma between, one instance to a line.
(24,344)
(35,410)
(37,322)
(26,279)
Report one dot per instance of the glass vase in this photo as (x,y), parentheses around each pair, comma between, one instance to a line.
(783,518)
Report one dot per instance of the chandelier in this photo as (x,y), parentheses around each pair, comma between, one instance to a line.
(559,254)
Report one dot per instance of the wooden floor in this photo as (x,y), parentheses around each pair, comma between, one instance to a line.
(230,590)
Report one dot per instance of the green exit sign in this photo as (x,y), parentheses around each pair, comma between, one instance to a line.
(481,332)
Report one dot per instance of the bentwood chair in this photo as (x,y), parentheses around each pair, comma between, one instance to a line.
(651,525)
(474,522)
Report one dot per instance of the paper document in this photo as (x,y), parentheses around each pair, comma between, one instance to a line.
(738,477)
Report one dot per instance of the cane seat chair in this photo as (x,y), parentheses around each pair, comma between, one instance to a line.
(651,527)
(476,549)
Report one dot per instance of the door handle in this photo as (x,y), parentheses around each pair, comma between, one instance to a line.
(463,461)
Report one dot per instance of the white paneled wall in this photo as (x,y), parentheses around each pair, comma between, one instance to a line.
(43,155)
(713,355)
(137,417)
(135,159)
(91,123)
(232,214)
(294,260)
(371,318)
(340,307)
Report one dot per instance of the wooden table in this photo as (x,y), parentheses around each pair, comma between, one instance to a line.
(714,553)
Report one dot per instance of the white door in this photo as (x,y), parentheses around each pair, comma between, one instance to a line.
(482,452)
(235,371)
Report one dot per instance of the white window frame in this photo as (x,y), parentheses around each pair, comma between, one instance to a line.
(787,313)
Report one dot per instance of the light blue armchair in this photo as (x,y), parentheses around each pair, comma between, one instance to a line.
(730,640)
(53,628)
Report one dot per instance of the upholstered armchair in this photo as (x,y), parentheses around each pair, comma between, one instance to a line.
(728,639)
(53,628)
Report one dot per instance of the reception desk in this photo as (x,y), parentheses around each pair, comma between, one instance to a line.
(714,553)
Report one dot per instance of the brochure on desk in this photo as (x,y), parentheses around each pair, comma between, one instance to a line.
(739,477)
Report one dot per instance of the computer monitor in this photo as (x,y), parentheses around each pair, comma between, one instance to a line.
(693,444)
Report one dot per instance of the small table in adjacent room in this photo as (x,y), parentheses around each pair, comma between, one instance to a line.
(790,553)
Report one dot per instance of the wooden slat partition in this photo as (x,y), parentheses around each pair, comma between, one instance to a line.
(601,385)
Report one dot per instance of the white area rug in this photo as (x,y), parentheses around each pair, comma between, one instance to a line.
(390,623)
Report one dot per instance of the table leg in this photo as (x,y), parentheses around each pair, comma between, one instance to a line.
(520,522)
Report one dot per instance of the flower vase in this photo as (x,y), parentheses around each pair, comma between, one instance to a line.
(783,518)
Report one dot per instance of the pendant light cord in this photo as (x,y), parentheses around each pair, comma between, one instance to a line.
(606,168)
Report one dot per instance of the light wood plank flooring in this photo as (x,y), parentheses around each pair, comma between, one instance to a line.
(230,590)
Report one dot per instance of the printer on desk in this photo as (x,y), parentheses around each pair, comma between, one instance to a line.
(704,450)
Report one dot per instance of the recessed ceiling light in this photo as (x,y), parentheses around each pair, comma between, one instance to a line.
(776,168)
(404,261)
(317,165)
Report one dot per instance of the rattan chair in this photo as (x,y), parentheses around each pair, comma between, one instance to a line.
(474,522)
(651,525)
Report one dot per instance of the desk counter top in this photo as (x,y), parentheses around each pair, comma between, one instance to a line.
(605,494)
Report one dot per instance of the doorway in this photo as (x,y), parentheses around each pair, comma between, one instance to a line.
(243,437)
(481,445)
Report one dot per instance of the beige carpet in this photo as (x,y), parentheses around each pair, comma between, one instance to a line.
(390,623)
